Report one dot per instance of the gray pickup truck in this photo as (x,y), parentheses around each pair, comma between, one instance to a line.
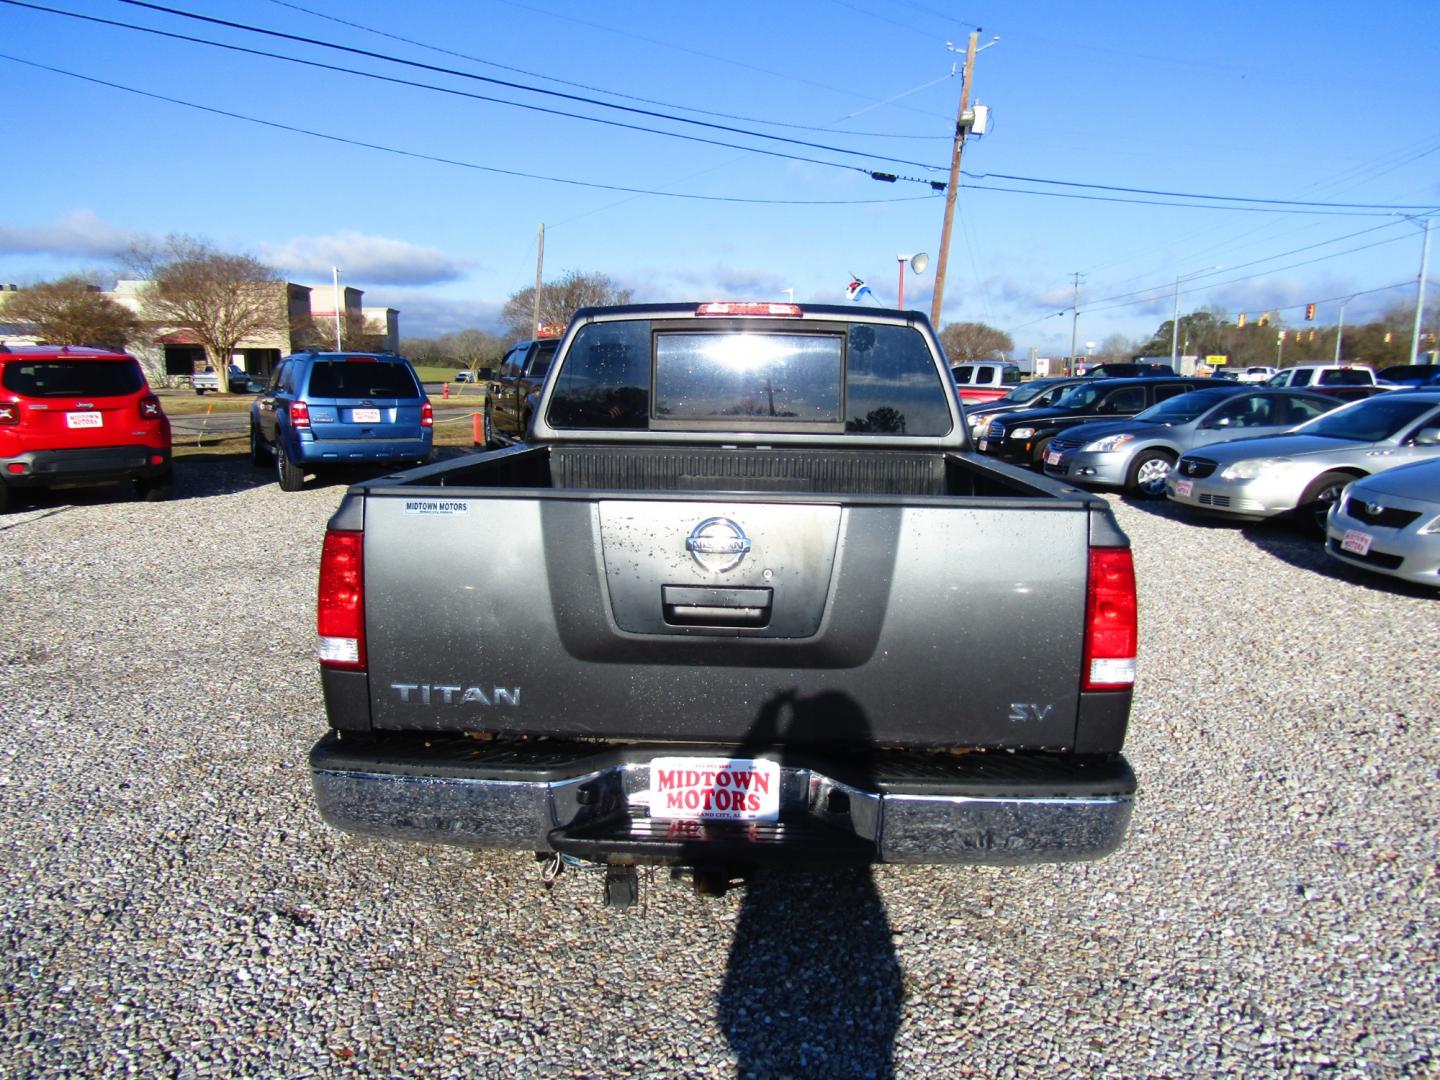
(747,596)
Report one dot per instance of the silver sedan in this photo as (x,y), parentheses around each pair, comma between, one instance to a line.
(1304,471)
(1135,453)
(1390,524)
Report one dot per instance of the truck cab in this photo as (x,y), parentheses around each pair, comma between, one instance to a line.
(511,395)
(987,381)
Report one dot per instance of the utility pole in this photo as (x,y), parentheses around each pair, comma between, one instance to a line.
(1075,315)
(950,191)
(539,271)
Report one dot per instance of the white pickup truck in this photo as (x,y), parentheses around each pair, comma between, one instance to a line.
(209,380)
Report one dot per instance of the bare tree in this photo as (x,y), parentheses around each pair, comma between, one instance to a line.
(974,341)
(72,311)
(218,298)
(559,300)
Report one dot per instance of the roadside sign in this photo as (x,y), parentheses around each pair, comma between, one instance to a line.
(1216,361)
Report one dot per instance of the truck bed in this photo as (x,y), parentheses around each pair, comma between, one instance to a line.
(919,599)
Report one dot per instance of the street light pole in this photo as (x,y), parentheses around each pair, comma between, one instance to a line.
(1175,329)
(1340,329)
(1075,314)
(336,271)
(1420,297)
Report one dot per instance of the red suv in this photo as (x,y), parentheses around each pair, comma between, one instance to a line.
(71,417)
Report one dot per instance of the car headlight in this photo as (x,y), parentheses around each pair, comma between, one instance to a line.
(1431,527)
(1109,443)
(1020,433)
(1249,470)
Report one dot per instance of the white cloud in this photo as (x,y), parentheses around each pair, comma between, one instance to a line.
(364,261)
(422,314)
(78,234)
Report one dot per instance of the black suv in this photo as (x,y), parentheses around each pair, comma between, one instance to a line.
(1021,437)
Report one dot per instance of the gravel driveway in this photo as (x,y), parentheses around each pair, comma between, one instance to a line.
(171,905)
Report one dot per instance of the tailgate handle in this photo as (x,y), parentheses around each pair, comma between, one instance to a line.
(686,605)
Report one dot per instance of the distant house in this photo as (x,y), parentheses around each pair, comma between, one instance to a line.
(309,313)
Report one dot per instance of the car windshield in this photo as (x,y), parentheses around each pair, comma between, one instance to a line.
(1024,392)
(1183,409)
(1373,420)
(73,378)
(1078,397)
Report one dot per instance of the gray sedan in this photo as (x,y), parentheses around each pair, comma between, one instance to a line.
(1136,453)
(1390,523)
(1303,472)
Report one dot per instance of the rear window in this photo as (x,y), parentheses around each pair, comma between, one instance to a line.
(1345,377)
(72,378)
(866,379)
(361,379)
(544,353)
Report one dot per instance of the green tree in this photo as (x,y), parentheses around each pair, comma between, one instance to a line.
(72,311)
(974,341)
(218,298)
(558,301)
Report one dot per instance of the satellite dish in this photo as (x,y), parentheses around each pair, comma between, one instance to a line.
(919,262)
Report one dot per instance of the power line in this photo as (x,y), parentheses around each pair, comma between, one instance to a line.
(451,161)
(1180,205)
(583,86)
(1189,195)
(474,96)
(1272,258)
(577,98)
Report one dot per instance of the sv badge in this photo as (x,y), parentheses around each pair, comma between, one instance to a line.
(1023,712)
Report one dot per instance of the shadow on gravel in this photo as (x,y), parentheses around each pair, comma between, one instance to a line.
(1308,553)
(813,986)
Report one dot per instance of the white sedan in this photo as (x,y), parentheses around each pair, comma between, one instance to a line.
(1304,470)
(1390,524)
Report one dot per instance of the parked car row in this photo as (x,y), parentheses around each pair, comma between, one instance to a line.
(1364,473)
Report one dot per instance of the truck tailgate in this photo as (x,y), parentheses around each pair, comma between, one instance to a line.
(936,622)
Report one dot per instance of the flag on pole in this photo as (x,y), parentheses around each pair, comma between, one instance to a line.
(857,290)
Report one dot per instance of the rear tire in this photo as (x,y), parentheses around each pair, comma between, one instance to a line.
(1314,506)
(4,497)
(156,488)
(290,475)
(259,452)
(1146,477)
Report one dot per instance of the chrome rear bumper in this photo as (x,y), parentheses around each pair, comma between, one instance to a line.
(596,805)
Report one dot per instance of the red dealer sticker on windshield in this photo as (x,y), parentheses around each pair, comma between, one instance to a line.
(714,789)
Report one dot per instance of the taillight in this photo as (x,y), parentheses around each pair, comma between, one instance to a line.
(725,307)
(427,414)
(9,412)
(340,610)
(1111,622)
(149,407)
(299,414)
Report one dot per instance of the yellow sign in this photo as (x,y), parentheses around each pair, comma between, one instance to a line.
(1217,361)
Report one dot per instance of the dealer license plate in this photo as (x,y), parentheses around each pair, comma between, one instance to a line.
(1052,458)
(1356,542)
(714,789)
(365,416)
(1183,488)
(83,419)
(984,444)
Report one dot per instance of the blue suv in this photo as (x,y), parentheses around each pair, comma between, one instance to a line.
(340,408)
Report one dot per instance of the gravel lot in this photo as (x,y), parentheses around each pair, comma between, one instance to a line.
(172,905)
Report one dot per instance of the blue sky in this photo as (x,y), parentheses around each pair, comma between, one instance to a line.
(1315,103)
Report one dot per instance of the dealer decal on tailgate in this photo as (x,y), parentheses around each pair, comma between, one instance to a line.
(714,789)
